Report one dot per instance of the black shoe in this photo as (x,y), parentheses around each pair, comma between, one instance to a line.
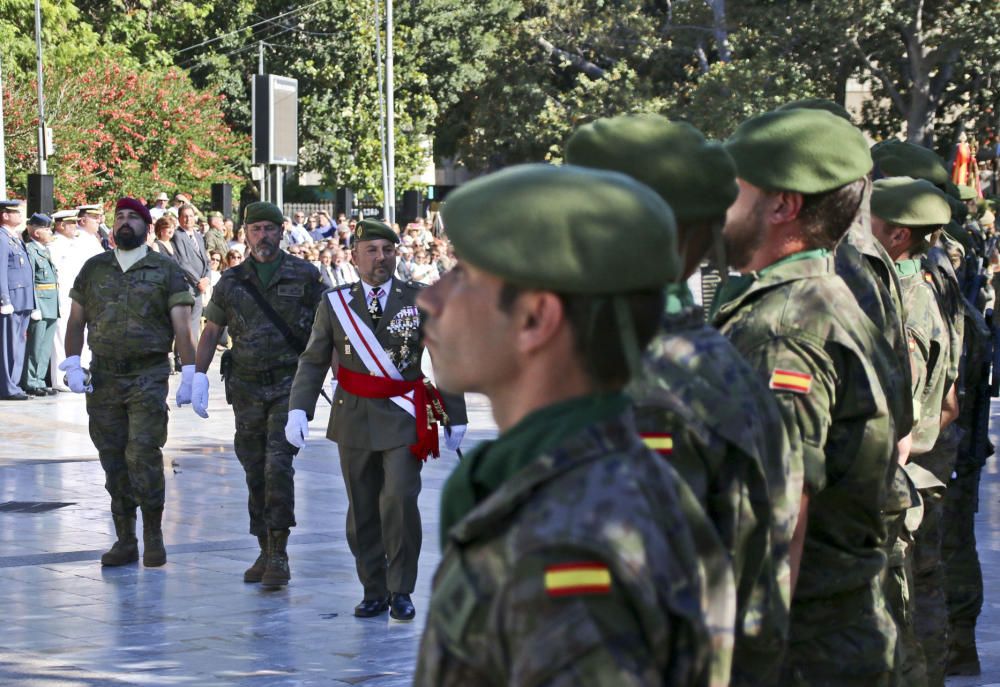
(400,607)
(369,608)
(35,392)
(17,397)
(49,391)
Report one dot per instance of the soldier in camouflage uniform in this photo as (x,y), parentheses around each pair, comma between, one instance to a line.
(699,403)
(802,178)
(905,211)
(259,379)
(567,559)
(135,306)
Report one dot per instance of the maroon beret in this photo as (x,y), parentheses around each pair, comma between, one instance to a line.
(133,204)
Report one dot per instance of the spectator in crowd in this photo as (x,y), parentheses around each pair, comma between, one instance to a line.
(295,235)
(163,231)
(215,237)
(159,206)
(179,200)
(423,270)
(230,228)
(233,258)
(299,220)
(324,225)
(239,242)
(312,226)
(189,248)
(345,268)
(404,269)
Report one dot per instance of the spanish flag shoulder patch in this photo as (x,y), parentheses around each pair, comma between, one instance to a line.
(661,443)
(928,278)
(788,380)
(577,579)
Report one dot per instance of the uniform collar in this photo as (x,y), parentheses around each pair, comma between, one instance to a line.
(907,268)
(802,265)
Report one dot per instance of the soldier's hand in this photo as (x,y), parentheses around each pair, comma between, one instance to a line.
(199,394)
(36,315)
(6,309)
(297,428)
(184,390)
(453,437)
(76,377)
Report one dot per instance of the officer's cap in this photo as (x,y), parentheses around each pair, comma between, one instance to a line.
(11,206)
(579,231)
(64,215)
(697,178)
(40,220)
(802,150)
(370,229)
(913,203)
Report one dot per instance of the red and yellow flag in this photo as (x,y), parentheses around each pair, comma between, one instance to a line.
(787,380)
(661,443)
(574,579)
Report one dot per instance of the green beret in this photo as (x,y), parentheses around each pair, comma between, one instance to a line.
(696,178)
(908,202)
(262,212)
(370,229)
(903,159)
(818,104)
(966,193)
(578,230)
(951,189)
(801,150)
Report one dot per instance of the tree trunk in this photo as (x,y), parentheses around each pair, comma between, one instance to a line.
(719,30)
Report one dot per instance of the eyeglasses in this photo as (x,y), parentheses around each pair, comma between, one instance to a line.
(215,260)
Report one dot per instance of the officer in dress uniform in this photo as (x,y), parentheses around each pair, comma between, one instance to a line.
(17,300)
(42,329)
(371,330)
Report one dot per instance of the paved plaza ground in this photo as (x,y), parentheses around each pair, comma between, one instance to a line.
(65,621)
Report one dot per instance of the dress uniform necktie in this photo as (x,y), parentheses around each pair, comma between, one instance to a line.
(375,305)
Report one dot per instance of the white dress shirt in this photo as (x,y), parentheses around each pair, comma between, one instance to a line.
(385,293)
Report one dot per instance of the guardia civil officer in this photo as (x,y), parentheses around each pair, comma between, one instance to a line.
(268,303)
(17,301)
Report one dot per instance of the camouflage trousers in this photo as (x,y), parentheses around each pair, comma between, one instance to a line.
(963,574)
(930,606)
(128,425)
(261,412)
(847,640)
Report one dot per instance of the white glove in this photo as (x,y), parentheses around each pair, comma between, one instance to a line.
(76,378)
(297,428)
(453,436)
(184,390)
(199,394)
(36,315)
(6,309)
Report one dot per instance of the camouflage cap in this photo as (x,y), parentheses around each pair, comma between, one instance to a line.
(262,212)
(802,150)
(818,104)
(966,193)
(370,229)
(696,178)
(573,233)
(895,158)
(908,202)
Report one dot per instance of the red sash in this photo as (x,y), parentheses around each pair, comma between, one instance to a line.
(426,399)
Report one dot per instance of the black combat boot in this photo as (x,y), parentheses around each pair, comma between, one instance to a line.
(126,549)
(276,574)
(963,658)
(153,553)
(256,571)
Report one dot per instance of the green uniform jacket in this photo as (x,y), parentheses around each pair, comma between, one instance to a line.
(215,241)
(929,350)
(800,326)
(46,300)
(128,313)
(504,608)
(730,445)
(376,424)
(294,292)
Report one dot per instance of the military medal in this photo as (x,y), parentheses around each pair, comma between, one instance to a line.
(405,325)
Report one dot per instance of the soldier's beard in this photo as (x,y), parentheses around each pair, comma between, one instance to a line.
(127,239)
(264,250)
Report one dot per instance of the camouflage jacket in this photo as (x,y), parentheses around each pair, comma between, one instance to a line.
(128,313)
(800,327)
(578,570)
(294,292)
(929,352)
(702,406)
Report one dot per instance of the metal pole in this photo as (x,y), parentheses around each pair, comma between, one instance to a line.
(381,106)
(41,98)
(265,182)
(390,123)
(3,150)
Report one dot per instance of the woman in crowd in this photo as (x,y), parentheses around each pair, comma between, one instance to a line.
(163,230)
(238,244)
(234,257)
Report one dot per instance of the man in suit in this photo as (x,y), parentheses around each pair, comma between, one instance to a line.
(42,329)
(17,301)
(189,248)
(370,330)
(327,273)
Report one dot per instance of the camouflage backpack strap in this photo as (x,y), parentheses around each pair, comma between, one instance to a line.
(297,344)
